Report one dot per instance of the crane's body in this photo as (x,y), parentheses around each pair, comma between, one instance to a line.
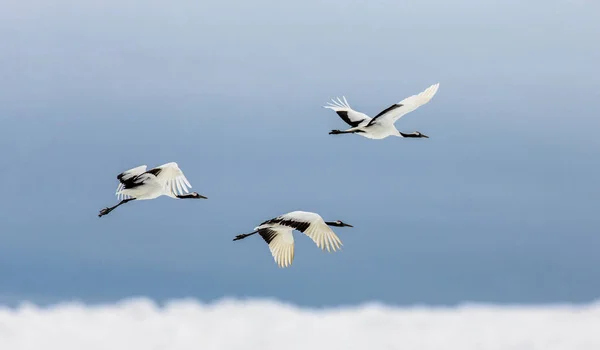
(141,184)
(382,125)
(277,232)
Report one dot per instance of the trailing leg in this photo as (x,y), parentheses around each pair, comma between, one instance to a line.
(242,236)
(336,132)
(105,211)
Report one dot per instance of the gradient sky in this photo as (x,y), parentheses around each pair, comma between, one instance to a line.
(499,205)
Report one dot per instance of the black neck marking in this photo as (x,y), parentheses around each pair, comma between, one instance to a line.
(334,223)
(185,196)
(409,135)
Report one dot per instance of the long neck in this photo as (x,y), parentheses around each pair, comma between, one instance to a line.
(396,132)
(409,135)
(331,223)
(185,196)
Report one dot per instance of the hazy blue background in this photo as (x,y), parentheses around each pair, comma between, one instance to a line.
(499,205)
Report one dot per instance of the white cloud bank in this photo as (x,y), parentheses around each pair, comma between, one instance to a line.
(230,324)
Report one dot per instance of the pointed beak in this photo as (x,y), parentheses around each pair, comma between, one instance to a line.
(201,196)
(348,225)
(425,136)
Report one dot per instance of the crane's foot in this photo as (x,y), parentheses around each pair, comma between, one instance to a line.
(104,212)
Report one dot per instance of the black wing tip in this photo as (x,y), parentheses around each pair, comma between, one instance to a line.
(267,234)
(296,225)
(390,108)
(154,171)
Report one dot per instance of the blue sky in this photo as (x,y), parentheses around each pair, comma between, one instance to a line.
(499,205)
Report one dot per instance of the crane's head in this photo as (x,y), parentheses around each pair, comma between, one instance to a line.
(338,223)
(415,134)
(197,195)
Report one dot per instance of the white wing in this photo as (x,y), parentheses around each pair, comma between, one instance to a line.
(281,244)
(350,116)
(409,104)
(312,225)
(323,236)
(172,178)
(127,175)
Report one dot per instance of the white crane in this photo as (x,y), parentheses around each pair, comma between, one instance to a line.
(277,232)
(141,184)
(382,125)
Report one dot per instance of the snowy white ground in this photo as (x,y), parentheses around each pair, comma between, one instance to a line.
(234,324)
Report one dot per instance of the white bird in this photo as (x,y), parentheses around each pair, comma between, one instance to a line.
(382,125)
(277,232)
(141,184)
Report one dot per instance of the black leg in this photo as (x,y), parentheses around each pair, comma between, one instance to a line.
(191,196)
(105,211)
(336,132)
(238,237)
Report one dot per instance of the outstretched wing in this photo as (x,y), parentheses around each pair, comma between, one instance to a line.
(311,224)
(127,179)
(350,116)
(409,104)
(172,178)
(281,244)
